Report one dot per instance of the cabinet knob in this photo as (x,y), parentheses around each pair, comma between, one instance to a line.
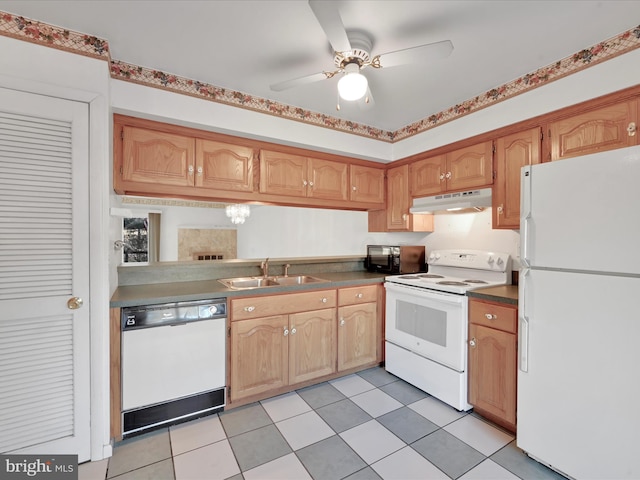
(286,331)
(199,170)
(472,342)
(311,184)
(358,295)
(442,176)
(354,188)
(304,182)
(631,129)
(190,169)
(448,175)
(249,309)
(293,331)
(405,217)
(342,322)
(324,300)
(500,209)
(490,316)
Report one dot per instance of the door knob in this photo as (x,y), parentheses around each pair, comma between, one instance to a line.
(74,303)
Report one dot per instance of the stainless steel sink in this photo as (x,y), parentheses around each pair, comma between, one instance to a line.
(261,282)
(247,282)
(297,280)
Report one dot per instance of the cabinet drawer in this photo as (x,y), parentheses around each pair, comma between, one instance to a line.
(353,295)
(256,307)
(493,315)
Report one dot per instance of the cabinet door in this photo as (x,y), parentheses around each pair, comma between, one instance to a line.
(327,179)
(470,167)
(222,166)
(312,344)
(357,335)
(259,355)
(512,153)
(398,196)
(151,156)
(595,131)
(283,174)
(492,372)
(428,176)
(367,184)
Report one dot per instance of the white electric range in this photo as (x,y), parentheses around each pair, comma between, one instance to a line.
(427,320)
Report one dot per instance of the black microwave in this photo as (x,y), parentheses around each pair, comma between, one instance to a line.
(395,258)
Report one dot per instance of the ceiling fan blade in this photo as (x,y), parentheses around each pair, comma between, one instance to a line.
(296,82)
(329,18)
(422,53)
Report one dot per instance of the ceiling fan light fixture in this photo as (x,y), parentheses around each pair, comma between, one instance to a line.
(353,85)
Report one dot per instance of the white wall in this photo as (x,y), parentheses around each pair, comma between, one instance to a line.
(281,232)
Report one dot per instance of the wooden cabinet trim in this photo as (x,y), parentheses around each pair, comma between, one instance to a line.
(242,308)
(493,315)
(360,294)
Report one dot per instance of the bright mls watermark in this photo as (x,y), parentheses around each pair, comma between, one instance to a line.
(49,467)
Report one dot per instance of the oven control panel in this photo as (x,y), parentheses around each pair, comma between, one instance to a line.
(477,259)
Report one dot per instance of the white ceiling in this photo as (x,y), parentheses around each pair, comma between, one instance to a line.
(248,45)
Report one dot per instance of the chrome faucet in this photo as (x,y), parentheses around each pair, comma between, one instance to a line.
(286,269)
(265,268)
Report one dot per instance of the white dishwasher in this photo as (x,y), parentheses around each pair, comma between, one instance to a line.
(172,363)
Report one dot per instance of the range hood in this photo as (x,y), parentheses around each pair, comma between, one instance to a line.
(452,202)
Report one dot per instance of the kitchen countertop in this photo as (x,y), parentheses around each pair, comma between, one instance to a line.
(133,295)
(503,294)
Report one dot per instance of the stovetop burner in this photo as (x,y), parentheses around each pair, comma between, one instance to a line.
(459,271)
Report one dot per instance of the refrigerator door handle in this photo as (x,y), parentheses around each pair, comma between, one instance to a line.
(523,326)
(525,202)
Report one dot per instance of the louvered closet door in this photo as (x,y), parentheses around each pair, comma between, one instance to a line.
(44,262)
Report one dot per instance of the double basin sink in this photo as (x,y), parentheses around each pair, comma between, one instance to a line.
(260,282)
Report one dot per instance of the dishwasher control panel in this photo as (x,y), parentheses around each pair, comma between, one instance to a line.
(172,313)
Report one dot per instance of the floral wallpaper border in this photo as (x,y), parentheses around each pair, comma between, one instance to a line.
(37,32)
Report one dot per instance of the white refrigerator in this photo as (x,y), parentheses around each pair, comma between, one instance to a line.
(579,315)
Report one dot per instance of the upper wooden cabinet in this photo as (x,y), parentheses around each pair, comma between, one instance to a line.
(295,175)
(162,159)
(428,176)
(149,156)
(367,184)
(223,166)
(396,217)
(512,153)
(606,128)
(158,159)
(467,167)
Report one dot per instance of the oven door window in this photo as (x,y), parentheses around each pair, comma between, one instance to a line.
(424,323)
(431,325)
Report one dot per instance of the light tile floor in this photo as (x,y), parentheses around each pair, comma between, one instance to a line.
(369,425)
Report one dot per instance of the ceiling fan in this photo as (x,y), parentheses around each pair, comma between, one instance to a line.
(352,54)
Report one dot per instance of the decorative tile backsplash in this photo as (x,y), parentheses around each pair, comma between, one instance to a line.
(208,242)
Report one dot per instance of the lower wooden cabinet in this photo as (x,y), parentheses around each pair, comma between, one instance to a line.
(259,355)
(493,361)
(358,329)
(279,342)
